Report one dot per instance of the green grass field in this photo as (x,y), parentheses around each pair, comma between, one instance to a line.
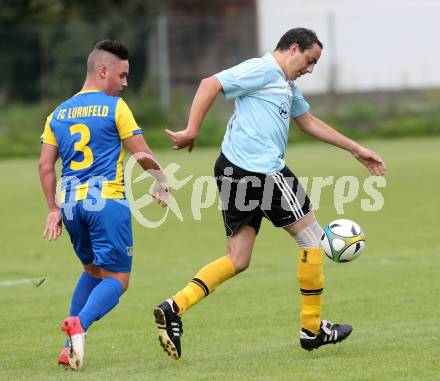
(248,329)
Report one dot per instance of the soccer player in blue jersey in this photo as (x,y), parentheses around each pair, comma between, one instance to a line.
(251,167)
(89,132)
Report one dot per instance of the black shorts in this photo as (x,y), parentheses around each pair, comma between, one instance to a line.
(247,197)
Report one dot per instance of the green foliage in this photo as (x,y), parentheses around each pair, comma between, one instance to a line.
(45,43)
(248,328)
(21,127)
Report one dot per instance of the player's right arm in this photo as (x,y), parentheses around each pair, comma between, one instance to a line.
(203,100)
(234,82)
(46,168)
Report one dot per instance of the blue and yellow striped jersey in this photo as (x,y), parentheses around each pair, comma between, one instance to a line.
(88,129)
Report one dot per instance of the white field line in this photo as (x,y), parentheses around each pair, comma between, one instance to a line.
(16,282)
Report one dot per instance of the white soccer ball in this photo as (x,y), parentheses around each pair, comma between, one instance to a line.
(342,240)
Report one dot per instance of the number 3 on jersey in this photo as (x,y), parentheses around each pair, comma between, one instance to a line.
(81,146)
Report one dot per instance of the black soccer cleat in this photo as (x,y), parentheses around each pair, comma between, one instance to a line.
(328,334)
(170,327)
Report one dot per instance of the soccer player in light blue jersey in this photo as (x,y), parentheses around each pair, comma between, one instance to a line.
(89,132)
(251,170)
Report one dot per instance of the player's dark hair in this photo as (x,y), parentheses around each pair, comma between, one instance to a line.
(305,38)
(114,47)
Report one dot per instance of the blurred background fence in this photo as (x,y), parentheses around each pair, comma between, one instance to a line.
(377,76)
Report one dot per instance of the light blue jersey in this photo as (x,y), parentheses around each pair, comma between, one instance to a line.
(256,136)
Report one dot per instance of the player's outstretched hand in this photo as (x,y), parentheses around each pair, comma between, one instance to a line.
(182,139)
(54,226)
(161,193)
(370,159)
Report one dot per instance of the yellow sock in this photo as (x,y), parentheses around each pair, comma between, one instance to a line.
(204,283)
(311,282)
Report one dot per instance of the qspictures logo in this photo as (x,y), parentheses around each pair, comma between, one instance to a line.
(344,190)
(204,194)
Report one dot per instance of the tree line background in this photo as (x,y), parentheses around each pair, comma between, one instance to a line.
(44,43)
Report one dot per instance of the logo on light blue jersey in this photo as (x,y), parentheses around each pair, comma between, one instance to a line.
(284,110)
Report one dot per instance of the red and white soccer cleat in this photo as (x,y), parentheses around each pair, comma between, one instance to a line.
(76,336)
(62,357)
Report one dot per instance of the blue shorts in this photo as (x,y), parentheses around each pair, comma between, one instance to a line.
(100,232)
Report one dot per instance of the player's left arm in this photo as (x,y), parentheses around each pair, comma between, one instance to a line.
(46,168)
(131,136)
(137,145)
(317,128)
